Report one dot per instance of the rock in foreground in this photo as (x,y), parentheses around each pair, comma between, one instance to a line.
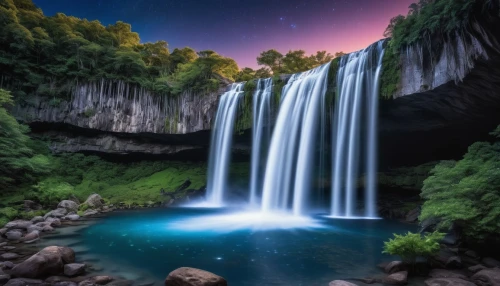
(487,277)
(341,283)
(447,282)
(49,261)
(186,276)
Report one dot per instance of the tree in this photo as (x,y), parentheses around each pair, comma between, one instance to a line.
(392,24)
(18,163)
(124,35)
(466,192)
(272,59)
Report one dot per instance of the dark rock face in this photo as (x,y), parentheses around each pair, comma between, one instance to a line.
(186,276)
(443,122)
(487,277)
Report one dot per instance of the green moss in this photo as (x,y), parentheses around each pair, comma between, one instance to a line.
(244,120)
(32,214)
(278,84)
(390,78)
(83,207)
(410,178)
(89,112)
(7,214)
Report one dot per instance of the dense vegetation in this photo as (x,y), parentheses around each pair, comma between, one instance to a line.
(48,55)
(18,161)
(467,192)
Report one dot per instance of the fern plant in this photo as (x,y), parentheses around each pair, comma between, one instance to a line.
(413,245)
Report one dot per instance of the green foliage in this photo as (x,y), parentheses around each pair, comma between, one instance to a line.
(429,19)
(244,120)
(413,245)
(89,112)
(51,191)
(204,73)
(293,61)
(390,76)
(18,163)
(411,178)
(48,55)
(466,192)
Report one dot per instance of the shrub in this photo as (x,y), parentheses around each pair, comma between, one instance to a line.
(413,245)
(466,192)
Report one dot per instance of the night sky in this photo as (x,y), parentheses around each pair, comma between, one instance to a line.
(241,29)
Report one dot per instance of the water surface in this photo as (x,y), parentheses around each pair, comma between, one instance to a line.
(160,240)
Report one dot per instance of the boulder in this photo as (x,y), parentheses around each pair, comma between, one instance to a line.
(471,254)
(101,280)
(4,278)
(70,206)
(341,283)
(9,256)
(18,224)
(31,205)
(3,244)
(447,282)
(37,219)
(74,269)
(86,283)
(31,237)
(55,279)
(34,228)
(47,228)
(398,278)
(90,213)
(394,266)
(186,276)
(14,234)
(490,262)
(72,217)
(65,283)
(23,282)
(443,273)
(6,265)
(94,201)
(412,216)
(487,277)
(58,213)
(476,268)
(53,221)
(8,248)
(121,283)
(49,261)
(446,258)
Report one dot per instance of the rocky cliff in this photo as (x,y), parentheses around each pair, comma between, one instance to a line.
(116,106)
(118,118)
(428,65)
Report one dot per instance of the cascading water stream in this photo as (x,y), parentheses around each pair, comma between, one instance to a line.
(356,109)
(221,144)
(261,135)
(290,159)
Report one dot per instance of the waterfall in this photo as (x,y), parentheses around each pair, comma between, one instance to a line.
(261,134)
(221,144)
(356,109)
(288,172)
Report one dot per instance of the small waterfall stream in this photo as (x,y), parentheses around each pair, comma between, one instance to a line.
(221,144)
(261,135)
(291,151)
(356,108)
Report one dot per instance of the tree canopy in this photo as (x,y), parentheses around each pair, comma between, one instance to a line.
(293,61)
